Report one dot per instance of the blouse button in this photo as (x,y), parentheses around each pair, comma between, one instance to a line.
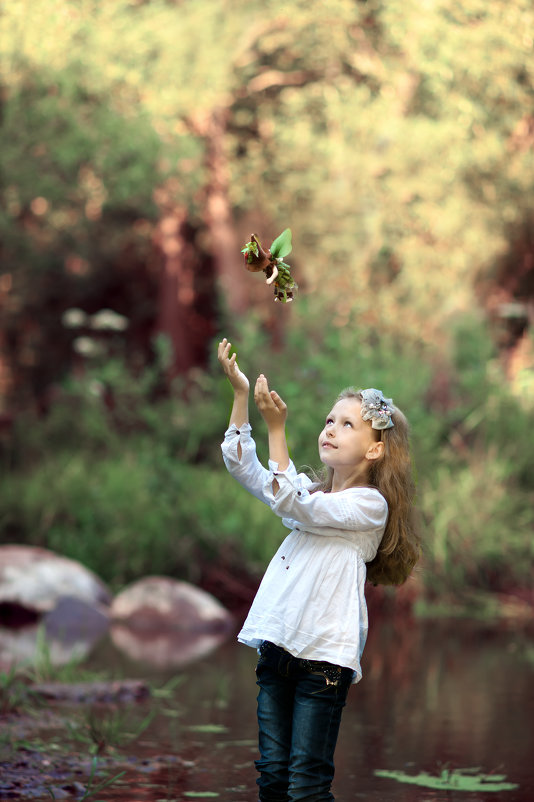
(299,493)
(237,431)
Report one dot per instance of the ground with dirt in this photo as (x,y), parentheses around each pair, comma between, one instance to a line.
(37,761)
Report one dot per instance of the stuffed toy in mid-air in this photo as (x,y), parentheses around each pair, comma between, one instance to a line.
(271,262)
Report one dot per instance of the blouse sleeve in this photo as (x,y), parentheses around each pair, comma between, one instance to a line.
(357,509)
(248,470)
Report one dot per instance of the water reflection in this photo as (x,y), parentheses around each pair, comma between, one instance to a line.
(446,693)
(165,649)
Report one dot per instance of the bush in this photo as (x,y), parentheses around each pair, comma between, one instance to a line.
(129,479)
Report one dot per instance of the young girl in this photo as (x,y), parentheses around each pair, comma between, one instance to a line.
(308,620)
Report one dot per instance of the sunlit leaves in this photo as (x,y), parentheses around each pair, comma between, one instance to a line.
(393,127)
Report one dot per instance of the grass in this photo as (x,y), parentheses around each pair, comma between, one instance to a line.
(103,729)
(93,786)
(43,669)
(15,691)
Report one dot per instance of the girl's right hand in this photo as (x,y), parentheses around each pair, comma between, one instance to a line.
(236,377)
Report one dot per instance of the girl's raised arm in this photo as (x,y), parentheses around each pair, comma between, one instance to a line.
(274,412)
(238,380)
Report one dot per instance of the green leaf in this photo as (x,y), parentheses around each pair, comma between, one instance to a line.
(282,245)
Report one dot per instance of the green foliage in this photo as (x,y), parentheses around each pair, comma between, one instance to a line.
(363,123)
(403,166)
(141,488)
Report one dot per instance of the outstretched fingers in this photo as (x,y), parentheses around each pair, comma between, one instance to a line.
(261,390)
(223,350)
(270,405)
(223,354)
(278,401)
(229,364)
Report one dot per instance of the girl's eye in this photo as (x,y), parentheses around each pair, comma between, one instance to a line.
(348,423)
(329,420)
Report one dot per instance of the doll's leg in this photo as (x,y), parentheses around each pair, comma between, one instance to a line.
(317,710)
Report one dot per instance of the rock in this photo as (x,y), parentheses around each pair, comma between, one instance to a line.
(126,690)
(168,623)
(68,632)
(159,603)
(25,646)
(44,597)
(75,620)
(35,579)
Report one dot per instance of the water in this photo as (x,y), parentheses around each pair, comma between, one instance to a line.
(454,694)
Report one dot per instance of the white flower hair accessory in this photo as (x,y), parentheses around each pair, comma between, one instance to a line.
(377,409)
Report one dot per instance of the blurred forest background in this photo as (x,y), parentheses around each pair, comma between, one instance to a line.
(142,142)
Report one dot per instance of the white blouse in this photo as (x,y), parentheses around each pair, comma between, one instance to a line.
(311,600)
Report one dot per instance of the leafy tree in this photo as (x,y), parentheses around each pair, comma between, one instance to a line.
(391,136)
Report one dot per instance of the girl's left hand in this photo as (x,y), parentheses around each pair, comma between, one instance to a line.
(271,407)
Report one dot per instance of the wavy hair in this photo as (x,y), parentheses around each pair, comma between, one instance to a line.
(392,475)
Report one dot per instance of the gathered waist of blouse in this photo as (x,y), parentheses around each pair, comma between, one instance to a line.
(363,545)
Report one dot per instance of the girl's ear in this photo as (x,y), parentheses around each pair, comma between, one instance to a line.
(375,451)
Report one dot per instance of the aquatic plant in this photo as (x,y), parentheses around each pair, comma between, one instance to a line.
(468,779)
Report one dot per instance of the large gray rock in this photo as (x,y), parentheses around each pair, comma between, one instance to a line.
(36,579)
(166,623)
(67,633)
(162,603)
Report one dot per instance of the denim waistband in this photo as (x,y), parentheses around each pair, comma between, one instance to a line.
(331,671)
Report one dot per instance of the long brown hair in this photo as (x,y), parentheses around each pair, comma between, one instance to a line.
(392,475)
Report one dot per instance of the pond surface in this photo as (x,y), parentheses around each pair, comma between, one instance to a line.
(435,694)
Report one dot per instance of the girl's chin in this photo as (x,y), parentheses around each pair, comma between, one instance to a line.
(324,456)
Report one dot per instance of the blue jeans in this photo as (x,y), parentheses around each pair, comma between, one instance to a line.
(299,712)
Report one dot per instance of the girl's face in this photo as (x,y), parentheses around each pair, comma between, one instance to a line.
(347,441)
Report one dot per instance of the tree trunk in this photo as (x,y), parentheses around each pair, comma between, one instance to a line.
(186,297)
(224,246)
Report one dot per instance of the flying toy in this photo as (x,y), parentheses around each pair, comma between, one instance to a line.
(272,263)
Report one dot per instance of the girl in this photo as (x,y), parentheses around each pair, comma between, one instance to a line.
(309,617)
